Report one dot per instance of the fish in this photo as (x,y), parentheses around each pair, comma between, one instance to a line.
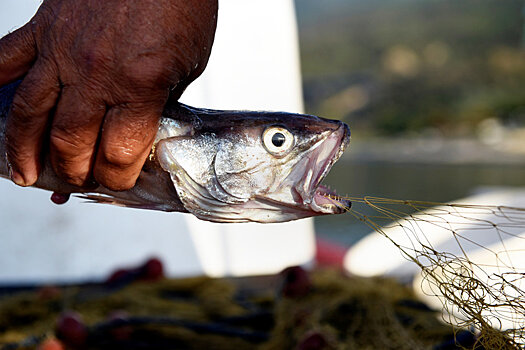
(223,166)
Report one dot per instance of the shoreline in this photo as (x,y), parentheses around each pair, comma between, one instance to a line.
(466,151)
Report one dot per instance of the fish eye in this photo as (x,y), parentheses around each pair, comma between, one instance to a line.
(277,140)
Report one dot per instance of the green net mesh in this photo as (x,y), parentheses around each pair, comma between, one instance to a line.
(471,260)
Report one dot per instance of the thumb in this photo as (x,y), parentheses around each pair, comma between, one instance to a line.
(17,54)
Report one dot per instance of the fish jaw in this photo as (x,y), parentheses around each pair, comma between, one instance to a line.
(323,199)
(307,195)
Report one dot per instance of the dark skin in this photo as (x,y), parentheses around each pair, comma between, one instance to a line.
(96,76)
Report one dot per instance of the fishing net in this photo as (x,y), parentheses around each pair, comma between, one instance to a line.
(317,310)
(471,260)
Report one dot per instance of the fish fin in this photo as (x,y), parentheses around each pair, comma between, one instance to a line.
(127,203)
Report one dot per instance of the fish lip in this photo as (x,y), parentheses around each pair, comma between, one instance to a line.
(328,201)
(320,198)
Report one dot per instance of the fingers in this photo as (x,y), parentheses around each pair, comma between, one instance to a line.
(17,54)
(27,123)
(73,136)
(127,137)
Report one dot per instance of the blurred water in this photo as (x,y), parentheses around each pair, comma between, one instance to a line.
(439,182)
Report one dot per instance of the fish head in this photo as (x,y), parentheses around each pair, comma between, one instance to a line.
(255,166)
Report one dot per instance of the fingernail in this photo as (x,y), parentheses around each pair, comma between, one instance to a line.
(17,178)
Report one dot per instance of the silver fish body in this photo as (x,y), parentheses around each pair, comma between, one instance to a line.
(224,166)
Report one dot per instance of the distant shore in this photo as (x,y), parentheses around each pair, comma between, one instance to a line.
(508,151)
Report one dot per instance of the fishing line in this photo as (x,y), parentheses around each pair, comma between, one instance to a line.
(465,254)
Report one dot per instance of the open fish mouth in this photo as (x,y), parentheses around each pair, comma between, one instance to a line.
(315,196)
(327,201)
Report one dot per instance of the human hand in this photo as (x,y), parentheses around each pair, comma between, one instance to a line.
(97,75)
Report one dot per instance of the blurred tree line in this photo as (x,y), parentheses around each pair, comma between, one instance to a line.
(398,66)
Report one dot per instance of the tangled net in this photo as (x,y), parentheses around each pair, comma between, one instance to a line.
(471,257)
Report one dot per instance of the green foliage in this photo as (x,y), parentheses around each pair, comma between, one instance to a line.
(401,65)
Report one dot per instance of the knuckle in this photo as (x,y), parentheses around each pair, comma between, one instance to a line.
(92,59)
(146,71)
(29,101)
(21,106)
(121,156)
(20,124)
(47,12)
(70,156)
(66,144)
(18,41)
